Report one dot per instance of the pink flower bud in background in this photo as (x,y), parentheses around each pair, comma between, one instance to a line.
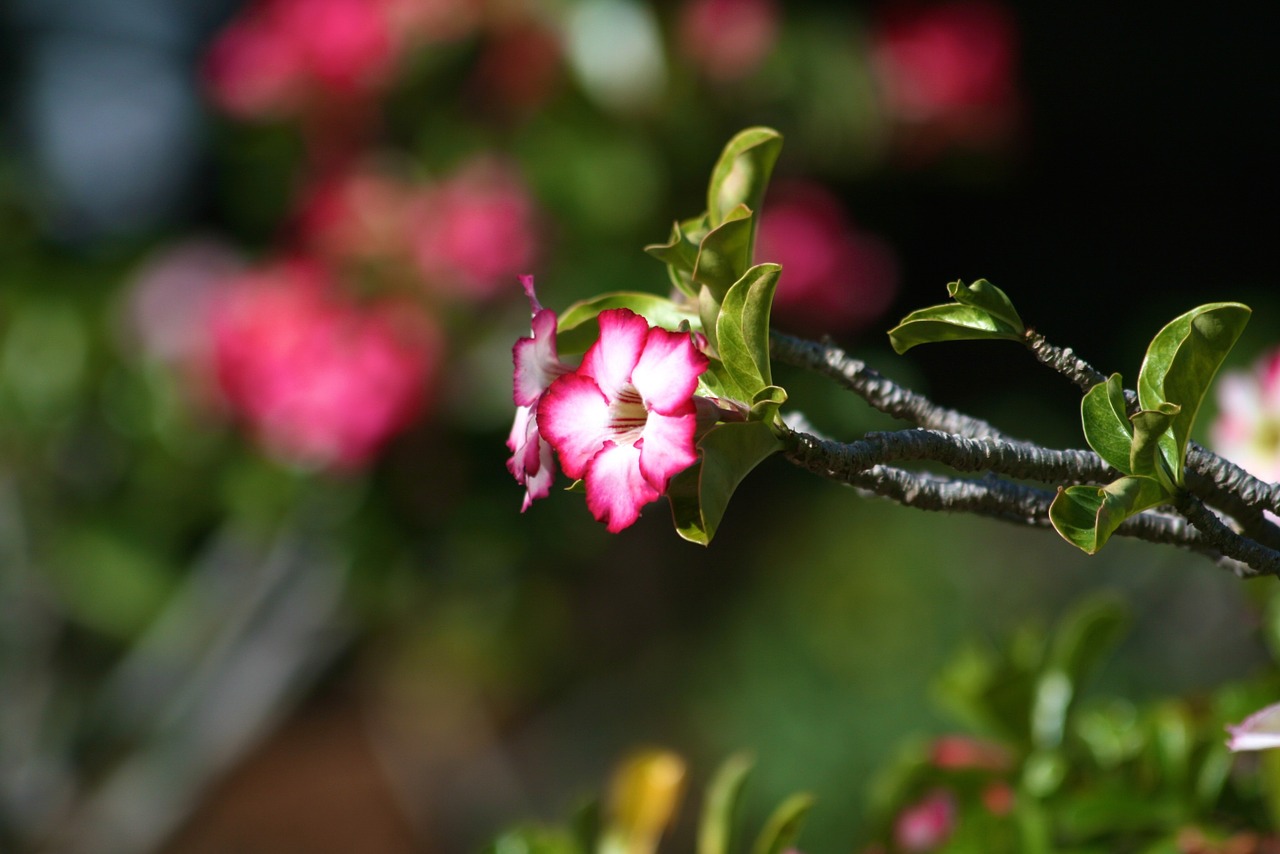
(927,824)
(948,71)
(835,278)
(357,215)
(475,232)
(1247,428)
(347,44)
(963,753)
(281,56)
(253,70)
(727,39)
(322,381)
(998,798)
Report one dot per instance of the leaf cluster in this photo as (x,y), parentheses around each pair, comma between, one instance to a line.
(644,794)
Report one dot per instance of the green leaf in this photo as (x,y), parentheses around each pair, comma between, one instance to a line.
(950,322)
(709,315)
(680,253)
(1079,643)
(534,840)
(742,329)
(724,794)
(1087,516)
(742,173)
(1150,426)
(990,299)
(1107,428)
(725,252)
(1086,635)
(1180,365)
(782,828)
(767,402)
(577,328)
(700,494)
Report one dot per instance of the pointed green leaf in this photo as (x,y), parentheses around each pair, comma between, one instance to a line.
(724,794)
(1150,426)
(1087,516)
(680,253)
(950,322)
(700,494)
(725,252)
(1106,425)
(742,173)
(782,828)
(577,328)
(742,329)
(1180,365)
(986,296)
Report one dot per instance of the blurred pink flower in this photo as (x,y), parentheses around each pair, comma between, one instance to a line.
(1259,731)
(963,753)
(624,422)
(322,381)
(927,824)
(167,306)
(357,214)
(537,365)
(1247,429)
(282,56)
(475,231)
(835,278)
(948,71)
(727,39)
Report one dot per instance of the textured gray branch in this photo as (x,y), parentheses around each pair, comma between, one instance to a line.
(963,454)
(879,391)
(969,444)
(1064,361)
(1024,505)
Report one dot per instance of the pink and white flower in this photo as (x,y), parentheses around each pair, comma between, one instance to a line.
(537,365)
(1247,429)
(625,421)
(1259,731)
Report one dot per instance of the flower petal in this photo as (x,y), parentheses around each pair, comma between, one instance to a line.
(616,490)
(526,282)
(668,370)
(532,462)
(1259,731)
(612,358)
(573,416)
(666,446)
(536,360)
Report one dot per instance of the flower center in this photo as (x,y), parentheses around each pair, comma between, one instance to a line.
(627,416)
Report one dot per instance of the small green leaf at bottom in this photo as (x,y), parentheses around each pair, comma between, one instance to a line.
(724,793)
(1087,516)
(782,828)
